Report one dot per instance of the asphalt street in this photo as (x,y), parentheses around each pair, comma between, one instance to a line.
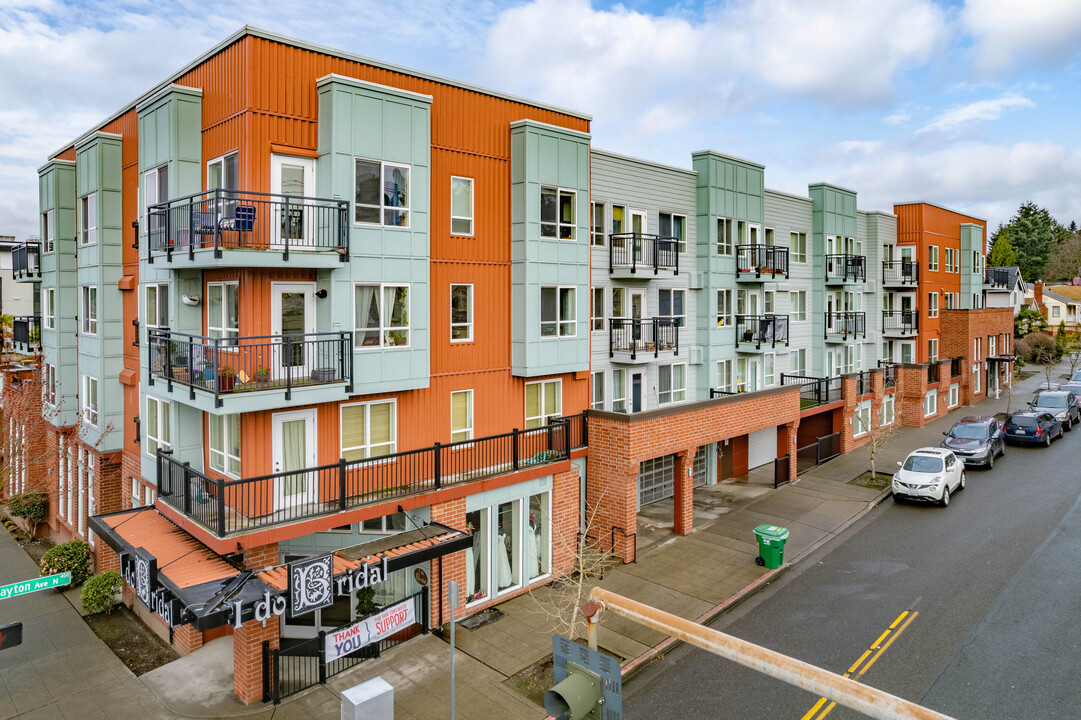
(970,609)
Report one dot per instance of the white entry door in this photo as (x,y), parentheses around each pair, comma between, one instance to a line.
(295,177)
(292,317)
(293,442)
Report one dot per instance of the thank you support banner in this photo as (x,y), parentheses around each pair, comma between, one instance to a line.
(371,629)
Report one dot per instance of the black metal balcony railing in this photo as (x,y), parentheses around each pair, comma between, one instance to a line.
(636,335)
(901,272)
(227,507)
(761,260)
(932,372)
(26,261)
(863,382)
(718,392)
(889,373)
(845,268)
(846,324)
(759,329)
(996,277)
(639,250)
(224,366)
(578,427)
(815,391)
(26,333)
(903,321)
(955,367)
(240,220)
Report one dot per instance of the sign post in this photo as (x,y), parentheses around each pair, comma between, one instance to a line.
(452,601)
(29,586)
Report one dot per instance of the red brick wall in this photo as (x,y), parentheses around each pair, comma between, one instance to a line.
(248,657)
(960,328)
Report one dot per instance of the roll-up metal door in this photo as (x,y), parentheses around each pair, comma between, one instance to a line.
(761,447)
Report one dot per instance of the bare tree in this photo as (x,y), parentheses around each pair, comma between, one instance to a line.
(1071,350)
(878,430)
(1042,350)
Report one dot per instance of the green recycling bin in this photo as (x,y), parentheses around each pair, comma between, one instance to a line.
(771,539)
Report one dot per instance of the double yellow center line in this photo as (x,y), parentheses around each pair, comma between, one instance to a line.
(870,655)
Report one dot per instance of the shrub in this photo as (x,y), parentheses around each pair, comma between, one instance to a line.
(73,557)
(99,592)
(33,506)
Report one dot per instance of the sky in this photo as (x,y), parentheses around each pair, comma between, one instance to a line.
(970,104)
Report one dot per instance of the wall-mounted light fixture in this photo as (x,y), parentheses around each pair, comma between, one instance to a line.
(189,299)
(322,293)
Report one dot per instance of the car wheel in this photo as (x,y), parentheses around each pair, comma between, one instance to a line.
(991,461)
(945,501)
(1069,423)
(1002,449)
(1047,440)
(961,485)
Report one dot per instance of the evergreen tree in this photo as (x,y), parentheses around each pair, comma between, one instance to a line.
(1033,233)
(1002,253)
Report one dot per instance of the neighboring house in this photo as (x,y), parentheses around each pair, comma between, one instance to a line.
(19,294)
(1057,303)
(1004,287)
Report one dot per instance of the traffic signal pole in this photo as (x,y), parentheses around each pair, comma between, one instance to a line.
(841,690)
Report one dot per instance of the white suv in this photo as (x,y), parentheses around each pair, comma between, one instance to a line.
(929,475)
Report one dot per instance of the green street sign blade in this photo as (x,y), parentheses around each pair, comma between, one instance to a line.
(35,584)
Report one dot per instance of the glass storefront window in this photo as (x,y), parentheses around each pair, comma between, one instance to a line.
(511,546)
(476,557)
(508,545)
(537,536)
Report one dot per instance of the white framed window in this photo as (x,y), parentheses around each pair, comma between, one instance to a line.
(977,348)
(671,305)
(725,228)
(886,410)
(221,173)
(769,369)
(1056,311)
(674,226)
(797,242)
(558,312)
(88,219)
(543,400)
(991,343)
(48,231)
(48,384)
(950,259)
(932,350)
(932,258)
(597,388)
(149,493)
(861,419)
(619,390)
(619,219)
(157,306)
(380,316)
(954,398)
(136,492)
(158,426)
(619,302)
(930,403)
(88,400)
(89,309)
(48,308)
(797,362)
(932,304)
(222,310)
(725,378)
(977,262)
(461,313)
(225,444)
(558,218)
(461,205)
(769,302)
(799,305)
(598,309)
(461,415)
(381,193)
(671,383)
(155,188)
(596,222)
(80,494)
(385,525)
(724,308)
(368,429)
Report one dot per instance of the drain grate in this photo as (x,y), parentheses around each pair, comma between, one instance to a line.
(484,617)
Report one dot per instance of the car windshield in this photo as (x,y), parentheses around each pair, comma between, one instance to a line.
(1024,421)
(923,464)
(1076,377)
(1050,401)
(969,432)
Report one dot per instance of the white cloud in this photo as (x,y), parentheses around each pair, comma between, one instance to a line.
(981,110)
(1011,32)
(860,147)
(898,118)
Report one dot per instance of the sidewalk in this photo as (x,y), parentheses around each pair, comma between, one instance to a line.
(63,671)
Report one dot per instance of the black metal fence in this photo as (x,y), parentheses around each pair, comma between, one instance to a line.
(639,250)
(761,260)
(901,272)
(717,392)
(227,507)
(863,382)
(26,333)
(635,335)
(903,321)
(577,427)
(235,219)
(822,449)
(889,374)
(845,268)
(846,324)
(297,666)
(227,365)
(781,468)
(26,261)
(998,277)
(759,329)
(815,391)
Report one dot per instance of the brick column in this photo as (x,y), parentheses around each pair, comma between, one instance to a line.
(565,521)
(248,657)
(793,432)
(260,557)
(849,394)
(451,514)
(186,640)
(683,507)
(908,397)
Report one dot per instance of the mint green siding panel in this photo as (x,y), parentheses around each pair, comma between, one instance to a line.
(971,278)
(368,130)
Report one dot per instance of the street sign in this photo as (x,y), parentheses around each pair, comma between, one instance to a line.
(11,635)
(29,586)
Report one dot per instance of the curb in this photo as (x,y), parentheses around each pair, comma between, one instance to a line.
(639,663)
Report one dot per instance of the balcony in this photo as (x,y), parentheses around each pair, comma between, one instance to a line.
(754,262)
(996,278)
(901,274)
(252,373)
(815,391)
(231,228)
(231,507)
(900,323)
(843,269)
(26,262)
(889,374)
(637,340)
(26,334)
(955,367)
(845,326)
(629,253)
(754,331)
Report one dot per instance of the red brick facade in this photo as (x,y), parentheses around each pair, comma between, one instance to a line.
(960,331)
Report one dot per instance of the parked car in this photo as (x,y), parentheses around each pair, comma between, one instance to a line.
(976,440)
(1073,384)
(929,475)
(1060,403)
(1032,426)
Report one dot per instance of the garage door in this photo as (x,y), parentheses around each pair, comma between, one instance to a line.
(656,479)
(761,447)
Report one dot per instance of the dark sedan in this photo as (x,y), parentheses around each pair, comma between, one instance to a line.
(1030,426)
(1060,403)
(1073,384)
(976,440)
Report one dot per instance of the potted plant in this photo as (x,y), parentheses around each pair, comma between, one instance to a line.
(262,376)
(226,379)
